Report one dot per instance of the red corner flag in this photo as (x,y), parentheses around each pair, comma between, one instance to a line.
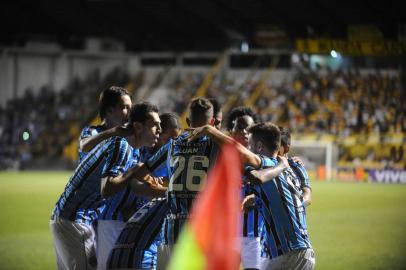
(210,240)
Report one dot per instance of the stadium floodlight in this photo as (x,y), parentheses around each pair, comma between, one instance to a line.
(295,58)
(26,135)
(245,47)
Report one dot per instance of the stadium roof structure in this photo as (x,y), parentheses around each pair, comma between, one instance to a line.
(188,25)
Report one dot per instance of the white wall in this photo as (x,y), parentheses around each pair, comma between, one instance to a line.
(33,72)
(6,78)
(21,69)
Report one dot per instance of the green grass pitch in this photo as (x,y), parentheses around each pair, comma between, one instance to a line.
(351,225)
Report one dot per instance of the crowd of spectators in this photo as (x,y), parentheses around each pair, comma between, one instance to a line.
(37,126)
(366,106)
(339,103)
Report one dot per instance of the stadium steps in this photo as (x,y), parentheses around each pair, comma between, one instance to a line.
(202,90)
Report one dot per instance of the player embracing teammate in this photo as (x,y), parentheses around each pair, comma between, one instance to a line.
(138,198)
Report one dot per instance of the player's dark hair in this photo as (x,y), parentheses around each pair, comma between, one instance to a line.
(285,136)
(201,111)
(139,112)
(110,98)
(267,133)
(216,106)
(169,121)
(239,112)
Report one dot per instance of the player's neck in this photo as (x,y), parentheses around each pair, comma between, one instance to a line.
(107,124)
(137,142)
(267,153)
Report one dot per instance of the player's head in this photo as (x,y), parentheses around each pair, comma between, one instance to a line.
(238,122)
(285,141)
(265,138)
(200,112)
(170,127)
(114,106)
(146,124)
(217,113)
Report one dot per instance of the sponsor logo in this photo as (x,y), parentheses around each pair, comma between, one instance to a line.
(387,176)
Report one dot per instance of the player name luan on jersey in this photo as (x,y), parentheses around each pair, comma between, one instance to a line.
(190,148)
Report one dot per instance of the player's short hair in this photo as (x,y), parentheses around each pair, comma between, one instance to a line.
(267,133)
(216,106)
(109,98)
(169,121)
(139,112)
(239,112)
(201,111)
(285,136)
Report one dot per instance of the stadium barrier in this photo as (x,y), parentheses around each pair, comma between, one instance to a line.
(360,174)
(387,176)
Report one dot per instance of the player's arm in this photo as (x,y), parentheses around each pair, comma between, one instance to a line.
(307,196)
(144,184)
(144,174)
(87,144)
(304,180)
(248,203)
(265,175)
(148,185)
(115,177)
(220,138)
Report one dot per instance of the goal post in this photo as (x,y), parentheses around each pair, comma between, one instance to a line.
(318,155)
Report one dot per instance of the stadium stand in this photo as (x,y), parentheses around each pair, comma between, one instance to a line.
(360,111)
(50,120)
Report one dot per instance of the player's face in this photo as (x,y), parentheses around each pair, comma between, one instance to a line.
(281,150)
(255,146)
(151,130)
(240,129)
(171,133)
(218,119)
(119,114)
(252,143)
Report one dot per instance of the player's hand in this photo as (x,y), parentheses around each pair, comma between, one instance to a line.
(248,203)
(253,177)
(156,181)
(284,161)
(196,133)
(152,181)
(124,130)
(296,159)
(165,181)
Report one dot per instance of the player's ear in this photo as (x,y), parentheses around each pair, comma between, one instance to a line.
(211,123)
(287,148)
(188,121)
(281,150)
(109,111)
(259,147)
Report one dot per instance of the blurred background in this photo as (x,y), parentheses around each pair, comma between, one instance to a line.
(331,71)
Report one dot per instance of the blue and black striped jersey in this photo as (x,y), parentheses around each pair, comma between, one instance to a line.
(284,217)
(122,205)
(137,244)
(302,178)
(252,220)
(81,200)
(187,164)
(87,132)
(146,153)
